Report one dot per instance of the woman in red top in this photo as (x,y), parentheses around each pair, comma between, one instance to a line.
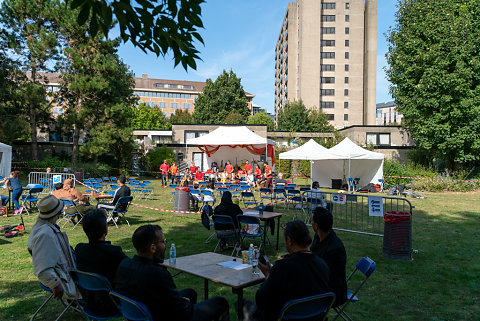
(268,175)
(199,176)
(258,172)
(247,167)
(193,169)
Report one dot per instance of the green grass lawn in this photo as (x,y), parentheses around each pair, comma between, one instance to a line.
(441,283)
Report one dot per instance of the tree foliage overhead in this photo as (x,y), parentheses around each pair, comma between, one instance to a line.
(434,68)
(262,118)
(294,116)
(155,26)
(219,99)
(181,116)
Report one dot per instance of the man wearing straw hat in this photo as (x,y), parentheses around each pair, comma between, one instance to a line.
(51,251)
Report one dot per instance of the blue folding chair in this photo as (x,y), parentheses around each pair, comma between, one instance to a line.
(314,307)
(365,265)
(173,187)
(280,195)
(97,287)
(131,309)
(207,193)
(70,217)
(225,235)
(245,223)
(120,208)
(32,197)
(294,197)
(113,179)
(266,194)
(248,199)
(47,289)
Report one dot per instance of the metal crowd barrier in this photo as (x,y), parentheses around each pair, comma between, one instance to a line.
(48,180)
(353,212)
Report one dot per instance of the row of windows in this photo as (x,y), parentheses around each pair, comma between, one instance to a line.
(332,5)
(163,104)
(331,30)
(163,95)
(327,92)
(328,43)
(331,104)
(331,55)
(331,18)
(328,5)
(332,67)
(331,80)
(174,86)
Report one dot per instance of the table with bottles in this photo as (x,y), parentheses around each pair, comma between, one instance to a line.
(205,266)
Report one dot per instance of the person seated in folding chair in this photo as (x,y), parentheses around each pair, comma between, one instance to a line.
(316,196)
(298,274)
(12,183)
(50,249)
(280,180)
(209,198)
(122,190)
(328,246)
(67,191)
(228,208)
(143,279)
(98,256)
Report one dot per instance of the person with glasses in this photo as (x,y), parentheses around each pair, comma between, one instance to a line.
(50,249)
(143,279)
(297,275)
(98,256)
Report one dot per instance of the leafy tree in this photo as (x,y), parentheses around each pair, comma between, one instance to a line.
(293,117)
(156,26)
(98,91)
(148,118)
(13,116)
(318,121)
(29,32)
(181,116)
(234,118)
(220,98)
(434,68)
(155,158)
(262,118)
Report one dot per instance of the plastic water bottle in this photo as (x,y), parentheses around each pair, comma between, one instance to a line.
(260,208)
(250,254)
(255,261)
(173,254)
(255,256)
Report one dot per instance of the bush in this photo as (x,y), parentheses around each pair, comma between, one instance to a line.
(154,159)
(94,169)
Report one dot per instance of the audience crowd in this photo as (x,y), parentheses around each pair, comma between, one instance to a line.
(308,268)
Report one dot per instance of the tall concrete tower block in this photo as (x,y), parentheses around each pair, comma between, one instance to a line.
(370,63)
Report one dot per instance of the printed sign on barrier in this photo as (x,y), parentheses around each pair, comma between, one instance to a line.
(338,198)
(57,179)
(375,206)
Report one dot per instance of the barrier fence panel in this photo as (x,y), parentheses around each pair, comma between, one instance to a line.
(48,180)
(359,213)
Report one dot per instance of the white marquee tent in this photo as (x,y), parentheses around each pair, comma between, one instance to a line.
(307,151)
(233,143)
(5,159)
(347,159)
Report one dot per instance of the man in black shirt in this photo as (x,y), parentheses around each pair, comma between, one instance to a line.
(122,190)
(299,274)
(98,256)
(329,247)
(144,280)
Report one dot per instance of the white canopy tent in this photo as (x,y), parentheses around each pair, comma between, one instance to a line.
(5,159)
(307,151)
(347,159)
(235,144)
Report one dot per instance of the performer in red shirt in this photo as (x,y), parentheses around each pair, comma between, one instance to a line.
(248,167)
(268,174)
(199,176)
(229,169)
(164,168)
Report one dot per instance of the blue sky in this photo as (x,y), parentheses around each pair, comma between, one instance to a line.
(241,35)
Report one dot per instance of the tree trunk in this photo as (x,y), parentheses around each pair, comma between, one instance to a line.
(33,124)
(76,138)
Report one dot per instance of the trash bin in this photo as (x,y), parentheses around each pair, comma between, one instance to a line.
(397,236)
(182,199)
